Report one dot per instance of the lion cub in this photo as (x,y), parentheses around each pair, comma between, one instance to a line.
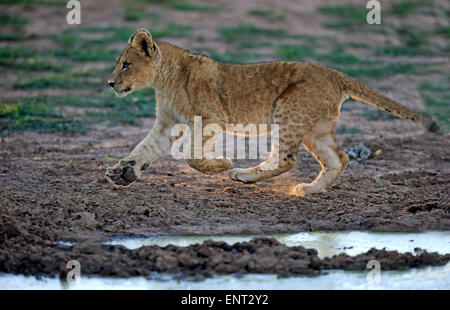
(303,99)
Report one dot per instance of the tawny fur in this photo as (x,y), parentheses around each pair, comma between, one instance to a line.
(303,99)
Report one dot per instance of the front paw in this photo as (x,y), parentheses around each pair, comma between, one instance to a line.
(126,171)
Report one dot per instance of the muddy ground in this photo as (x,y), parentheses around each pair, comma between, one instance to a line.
(53,188)
(52,185)
(58,182)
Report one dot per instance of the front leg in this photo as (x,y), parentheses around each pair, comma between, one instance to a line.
(206,164)
(154,145)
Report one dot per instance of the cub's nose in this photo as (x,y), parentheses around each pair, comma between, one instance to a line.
(111,83)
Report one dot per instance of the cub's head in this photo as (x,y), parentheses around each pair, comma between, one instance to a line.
(137,65)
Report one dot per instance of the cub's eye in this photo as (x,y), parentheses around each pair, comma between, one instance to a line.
(125,65)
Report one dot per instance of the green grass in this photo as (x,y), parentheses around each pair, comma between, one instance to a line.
(188,6)
(30,115)
(245,32)
(414,42)
(294,52)
(26,59)
(266,14)
(182,5)
(381,70)
(40,114)
(65,80)
(16,21)
(141,99)
(376,115)
(33,64)
(350,64)
(14,53)
(394,51)
(113,34)
(405,8)
(114,110)
(133,14)
(434,86)
(336,56)
(437,101)
(347,16)
(444,31)
(135,11)
(347,130)
(95,54)
(411,36)
(238,57)
(11,36)
(29,3)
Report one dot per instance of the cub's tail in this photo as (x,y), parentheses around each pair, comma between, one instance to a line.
(359,91)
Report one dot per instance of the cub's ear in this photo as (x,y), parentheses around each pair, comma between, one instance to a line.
(142,40)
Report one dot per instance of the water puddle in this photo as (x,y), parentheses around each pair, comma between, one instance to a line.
(326,243)
(424,278)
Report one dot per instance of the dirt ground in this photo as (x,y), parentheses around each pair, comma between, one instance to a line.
(52,187)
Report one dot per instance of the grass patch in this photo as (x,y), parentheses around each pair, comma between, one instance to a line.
(376,115)
(443,31)
(29,3)
(126,110)
(378,71)
(433,86)
(68,80)
(394,51)
(294,52)
(414,43)
(240,57)
(188,6)
(30,115)
(437,97)
(11,36)
(347,15)
(113,34)
(87,54)
(33,64)
(336,56)
(40,115)
(14,53)
(266,14)
(404,8)
(134,12)
(15,21)
(26,59)
(347,130)
(182,5)
(412,37)
(245,33)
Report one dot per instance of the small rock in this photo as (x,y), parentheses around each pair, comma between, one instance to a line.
(140,210)
(358,152)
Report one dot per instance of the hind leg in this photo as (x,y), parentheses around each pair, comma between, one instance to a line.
(321,142)
(295,122)
(281,159)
